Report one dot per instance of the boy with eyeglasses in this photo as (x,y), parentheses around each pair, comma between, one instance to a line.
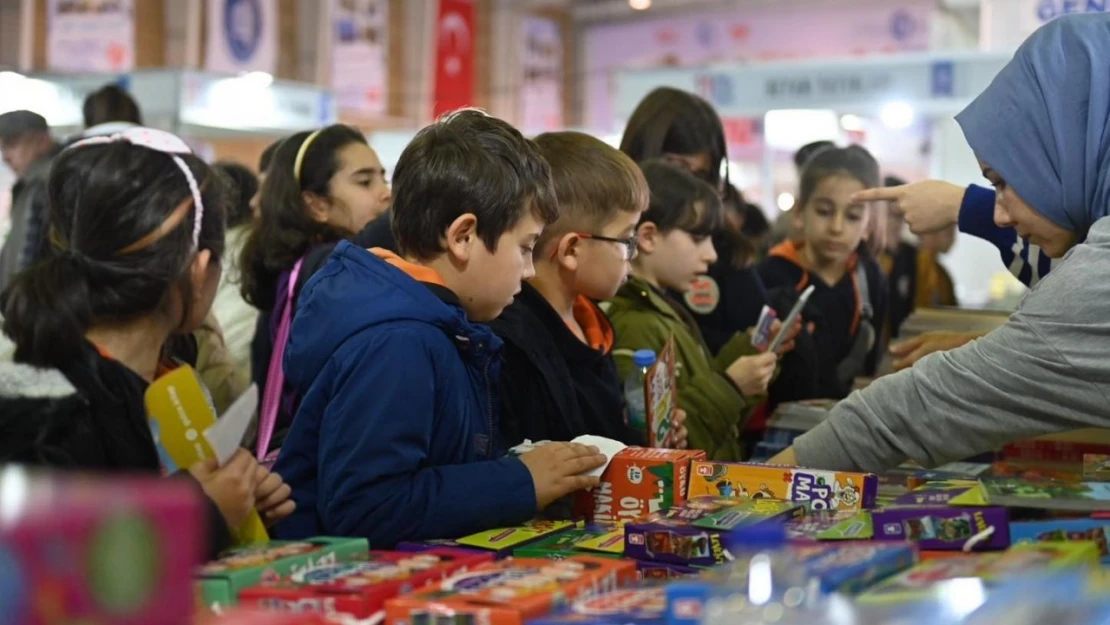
(559,380)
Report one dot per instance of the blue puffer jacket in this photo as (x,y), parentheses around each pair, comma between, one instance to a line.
(394,437)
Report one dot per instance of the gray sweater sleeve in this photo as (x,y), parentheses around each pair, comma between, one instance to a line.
(1044,371)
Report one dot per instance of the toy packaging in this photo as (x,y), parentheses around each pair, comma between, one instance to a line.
(671,536)
(220,582)
(599,540)
(661,391)
(990,567)
(1043,494)
(360,589)
(737,514)
(514,537)
(830,525)
(944,528)
(1093,530)
(937,493)
(1096,467)
(638,482)
(819,489)
(243,616)
(626,606)
(1048,451)
(510,592)
(110,550)
(431,545)
(663,571)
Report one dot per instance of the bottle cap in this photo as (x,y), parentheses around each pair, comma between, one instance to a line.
(643,357)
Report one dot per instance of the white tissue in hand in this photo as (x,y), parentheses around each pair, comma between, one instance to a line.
(606,446)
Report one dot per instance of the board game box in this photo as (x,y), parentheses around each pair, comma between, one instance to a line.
(1093,530)
(510,592)
(625,606)
(360,589)
(830,525)
(219,583)
(818,489)
(638,482)
(600,540)
(935,493)
(744,512)
(1042,494)
(664,571)
(944,528)
(917,582)
(500,542)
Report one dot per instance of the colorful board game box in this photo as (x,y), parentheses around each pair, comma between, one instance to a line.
(819,489)
(219,583)
(1096,467)
(600,540)
(360,589)
(661,391)
(1093,530)
(917,582)
(106,550)
(937,493)
(625,606)
(664,571)
(740,513)
(830,525)
(637,482)
(514,537)
(1042,494)
(510,592)
(942,528)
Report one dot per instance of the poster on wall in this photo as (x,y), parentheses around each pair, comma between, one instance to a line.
(359,61)
(454,74)
(95,36)
(799,30)
(541,91)
(242,36)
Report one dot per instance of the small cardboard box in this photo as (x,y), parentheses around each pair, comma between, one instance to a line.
(501,542)
(599,540)
(941,528)
(637,482)
(831,525)
(626,606)
(1062,530)
(219,583)
(360,589)
(819,490)
(510,592)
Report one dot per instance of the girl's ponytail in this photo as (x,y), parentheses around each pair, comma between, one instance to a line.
(47,310)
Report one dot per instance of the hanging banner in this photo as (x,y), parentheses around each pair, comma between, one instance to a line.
(1005,24)
(90,36)
(358,54)
(541,91)
(454,76)
(242,36)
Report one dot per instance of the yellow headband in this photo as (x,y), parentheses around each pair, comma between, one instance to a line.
(297,162)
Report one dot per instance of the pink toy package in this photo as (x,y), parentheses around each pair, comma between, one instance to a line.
(110,550)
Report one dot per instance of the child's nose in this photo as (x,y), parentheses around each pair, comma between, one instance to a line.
(1002,216)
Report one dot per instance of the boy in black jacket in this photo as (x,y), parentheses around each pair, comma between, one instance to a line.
(559,380)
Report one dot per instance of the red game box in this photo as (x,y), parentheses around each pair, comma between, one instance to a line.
(360,589)
(637,482)
(510,592)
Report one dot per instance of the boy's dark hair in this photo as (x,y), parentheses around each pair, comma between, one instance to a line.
(267,155)
(285,231)
(893,181)
(243,185)
(672,121)
(680,201)
(467,162)
(853,161)
(102,199)
(110,103)
(808,151)
(593,182)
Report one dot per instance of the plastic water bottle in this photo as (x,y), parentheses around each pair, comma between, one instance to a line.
(643,359)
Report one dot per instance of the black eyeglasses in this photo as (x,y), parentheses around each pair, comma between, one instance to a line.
(631,244)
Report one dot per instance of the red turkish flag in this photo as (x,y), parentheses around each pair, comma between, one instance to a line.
(454,82)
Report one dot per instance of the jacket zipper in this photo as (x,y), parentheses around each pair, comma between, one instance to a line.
(489,407)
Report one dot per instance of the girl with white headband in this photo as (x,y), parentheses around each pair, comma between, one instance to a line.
(137,226)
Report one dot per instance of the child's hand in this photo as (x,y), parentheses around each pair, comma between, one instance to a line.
(752,374)
(557,469)
(680,438)
(272,496)
(231,487)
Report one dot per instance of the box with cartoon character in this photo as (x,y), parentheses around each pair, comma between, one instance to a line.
(599,540)
(691,534)
(219,583)
(501,541)
(1060,530)
(625,606)
(360,589)
(918,581)
(637,482)
(818,489)
(941,528)
(509,592)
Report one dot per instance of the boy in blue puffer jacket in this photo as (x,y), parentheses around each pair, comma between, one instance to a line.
(395,438)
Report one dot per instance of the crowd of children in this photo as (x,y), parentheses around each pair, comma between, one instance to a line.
(408,336)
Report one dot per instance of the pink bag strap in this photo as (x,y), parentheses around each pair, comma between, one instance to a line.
(275,375)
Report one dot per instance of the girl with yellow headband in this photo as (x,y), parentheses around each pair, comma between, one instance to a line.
(322,187)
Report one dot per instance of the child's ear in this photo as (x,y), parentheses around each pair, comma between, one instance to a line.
(198,271)
(648,234)
(461,236)
(317,207)
(566,251)
(798,216)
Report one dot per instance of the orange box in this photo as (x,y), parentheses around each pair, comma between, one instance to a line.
(510,592)
(637,482)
